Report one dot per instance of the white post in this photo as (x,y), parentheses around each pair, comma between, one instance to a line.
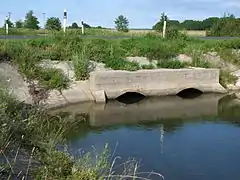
(82,27)
(6,26)
(64,20)
(164,26)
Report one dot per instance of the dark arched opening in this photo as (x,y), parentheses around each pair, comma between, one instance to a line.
(189,93)
(130,97)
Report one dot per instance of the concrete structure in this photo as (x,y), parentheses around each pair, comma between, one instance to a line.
(104,83)
(157,82)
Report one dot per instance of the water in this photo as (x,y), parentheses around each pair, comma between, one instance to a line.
(195,139)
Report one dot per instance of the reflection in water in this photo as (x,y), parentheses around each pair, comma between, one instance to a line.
(147,110)
(190,93)
(179,138)
(171,112)
(130,98)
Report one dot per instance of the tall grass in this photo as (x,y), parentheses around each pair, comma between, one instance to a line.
(32,131)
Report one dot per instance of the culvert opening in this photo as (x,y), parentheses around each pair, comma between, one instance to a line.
(190,93)
(130,97)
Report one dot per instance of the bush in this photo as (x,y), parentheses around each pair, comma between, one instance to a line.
(97,50)
(81,67)
(148,66)
(171,64)
(226,26)
(229,56)
(119,63)
(53,79)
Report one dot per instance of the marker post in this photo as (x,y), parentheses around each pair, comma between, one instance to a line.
(82,27)
(64,20)
(164,26)
(6,25)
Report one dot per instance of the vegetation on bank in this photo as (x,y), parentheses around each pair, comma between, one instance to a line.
(28,141)
(27,54)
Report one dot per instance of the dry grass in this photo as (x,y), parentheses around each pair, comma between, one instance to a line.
(194,33)
(146,31)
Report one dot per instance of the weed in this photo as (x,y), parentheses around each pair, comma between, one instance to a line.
(81,67)
(53,79)
(97,50)
(148,66)
(229,56)
(171,63)
(118,63)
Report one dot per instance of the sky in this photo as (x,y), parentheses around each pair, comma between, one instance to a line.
(140,13)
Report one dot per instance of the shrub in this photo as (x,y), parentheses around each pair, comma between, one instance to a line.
(229,56)
(148,66)
(173,34)
(53,79)
(119,63)
(161,51)
(226,26)
(171,64)
(81,67)
(97,50)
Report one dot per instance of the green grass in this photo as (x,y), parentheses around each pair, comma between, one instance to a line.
(26,54)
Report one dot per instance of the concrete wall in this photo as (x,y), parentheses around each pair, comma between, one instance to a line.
(157,82)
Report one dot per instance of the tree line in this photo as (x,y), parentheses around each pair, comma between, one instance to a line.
(31,22)
(228,25)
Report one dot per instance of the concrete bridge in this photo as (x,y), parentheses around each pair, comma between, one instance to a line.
(157,82)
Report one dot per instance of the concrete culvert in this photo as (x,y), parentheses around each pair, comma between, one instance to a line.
(190,93)
(130,97)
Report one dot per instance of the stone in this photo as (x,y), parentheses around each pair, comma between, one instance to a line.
(12,80)
(184,58)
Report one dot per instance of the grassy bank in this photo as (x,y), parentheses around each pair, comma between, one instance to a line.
(28,141)
(26,54)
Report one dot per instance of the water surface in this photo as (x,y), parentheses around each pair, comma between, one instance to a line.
(195,139)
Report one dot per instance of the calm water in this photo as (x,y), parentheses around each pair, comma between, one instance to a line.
(183,139)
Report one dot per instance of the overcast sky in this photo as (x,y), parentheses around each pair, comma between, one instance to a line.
(141,13)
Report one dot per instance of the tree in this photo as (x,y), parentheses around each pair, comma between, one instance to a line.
(75,25)
(122,23)
(19,24)
(209,22)
(53,23)
(9,22)
(226,26)
(170,23)
(86,25)
(31,21)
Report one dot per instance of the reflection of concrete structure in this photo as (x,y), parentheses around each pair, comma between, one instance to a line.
(149,109)
(157,82)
